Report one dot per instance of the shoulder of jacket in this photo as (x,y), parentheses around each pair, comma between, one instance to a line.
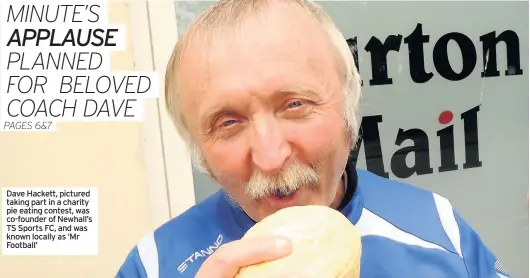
(423,214)
(189,222)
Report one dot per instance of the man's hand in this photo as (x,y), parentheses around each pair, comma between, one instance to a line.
(226,261)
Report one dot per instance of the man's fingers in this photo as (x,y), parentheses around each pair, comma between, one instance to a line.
(229,258)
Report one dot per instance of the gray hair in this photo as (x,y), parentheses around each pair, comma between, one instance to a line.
(229,13)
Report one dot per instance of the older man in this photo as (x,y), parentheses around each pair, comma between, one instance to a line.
(273,119)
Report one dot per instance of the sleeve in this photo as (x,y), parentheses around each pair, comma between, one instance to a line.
(478,258)
(132,267)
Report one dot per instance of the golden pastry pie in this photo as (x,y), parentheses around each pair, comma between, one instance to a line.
(325,244)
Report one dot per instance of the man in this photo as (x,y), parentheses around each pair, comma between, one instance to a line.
(273,119)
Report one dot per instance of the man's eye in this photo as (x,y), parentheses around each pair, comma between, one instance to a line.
(228,123)
(295,104)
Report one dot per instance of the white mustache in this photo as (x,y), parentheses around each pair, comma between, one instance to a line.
(286,182)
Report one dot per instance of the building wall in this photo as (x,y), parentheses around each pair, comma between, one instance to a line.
(109,156)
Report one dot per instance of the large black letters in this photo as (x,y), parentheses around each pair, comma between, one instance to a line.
(416,40)
(369,138)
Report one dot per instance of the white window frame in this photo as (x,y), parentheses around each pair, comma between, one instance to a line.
(169,170)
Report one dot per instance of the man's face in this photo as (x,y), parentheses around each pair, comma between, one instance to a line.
(264,105)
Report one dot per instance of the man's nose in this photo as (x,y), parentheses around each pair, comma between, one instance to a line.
(269,148)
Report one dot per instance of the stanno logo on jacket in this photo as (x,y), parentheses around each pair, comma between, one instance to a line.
(200,254)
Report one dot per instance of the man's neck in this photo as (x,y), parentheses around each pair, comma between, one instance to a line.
(342,188)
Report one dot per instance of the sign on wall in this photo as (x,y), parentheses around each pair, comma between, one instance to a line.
(378,50)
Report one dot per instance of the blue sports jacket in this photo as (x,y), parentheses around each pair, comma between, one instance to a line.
(407,232)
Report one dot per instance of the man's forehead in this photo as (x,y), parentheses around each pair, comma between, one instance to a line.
(259,35)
